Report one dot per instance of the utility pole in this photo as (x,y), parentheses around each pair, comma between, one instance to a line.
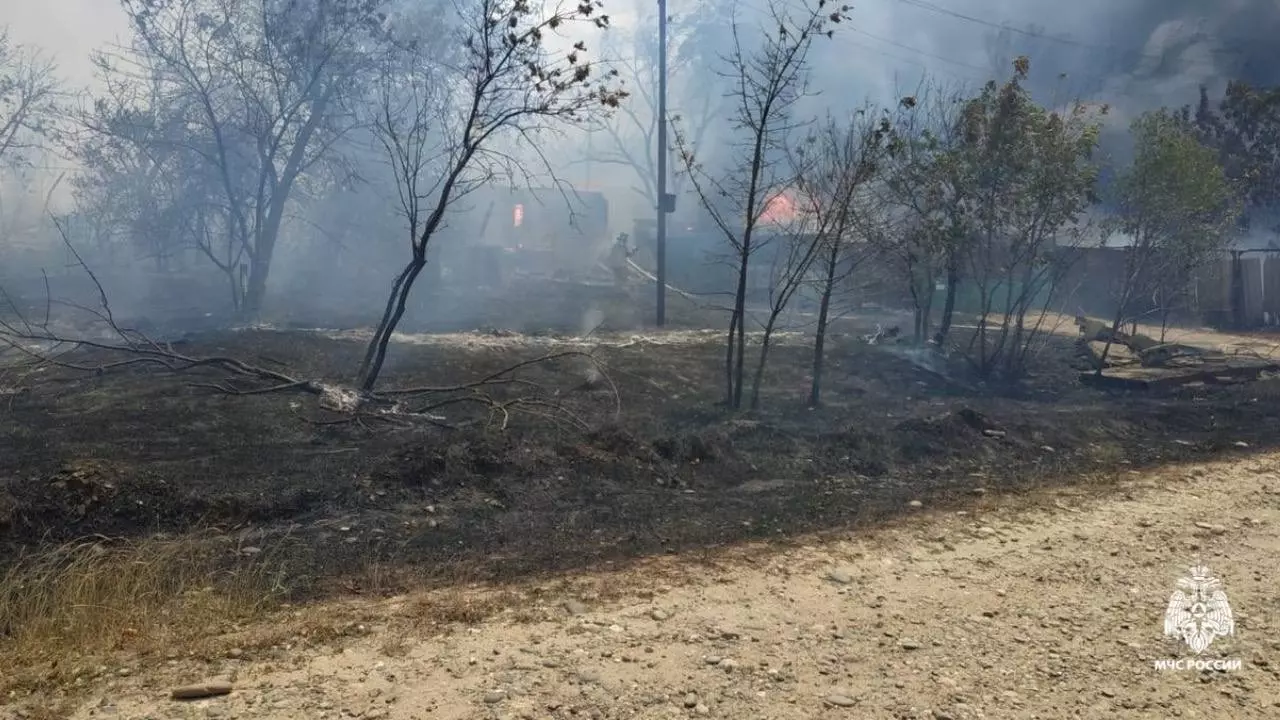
(590,133)
(663,202)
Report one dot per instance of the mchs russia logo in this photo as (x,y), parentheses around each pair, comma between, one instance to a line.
(1198,613)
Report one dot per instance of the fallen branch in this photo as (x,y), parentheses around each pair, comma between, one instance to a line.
(397,406)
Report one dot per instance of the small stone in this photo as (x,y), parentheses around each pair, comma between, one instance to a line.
(841,700)
(840,576)
(690,700)
(575,607)
(909,645)
(201,690)
(658,614)
(916,504)
(701,709)
(494,696)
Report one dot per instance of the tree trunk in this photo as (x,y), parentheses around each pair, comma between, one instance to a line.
(740,313)
(255,289)
(926,309)
(376,353)
(730,345)
(758,380)
(820,337)
(948,302)
(919,322)
(1132,266)
(269,233)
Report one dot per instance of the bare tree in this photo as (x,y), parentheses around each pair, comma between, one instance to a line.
(847,159)
(631,133)
(30,95)
(259,89)
(768,79)
(510,85)
(798,240)
(407,122)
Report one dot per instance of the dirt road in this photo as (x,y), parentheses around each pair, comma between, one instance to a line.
(1043,607)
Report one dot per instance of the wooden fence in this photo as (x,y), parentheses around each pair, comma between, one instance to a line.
(1237,290)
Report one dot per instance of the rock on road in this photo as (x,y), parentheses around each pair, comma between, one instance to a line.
(1050,606)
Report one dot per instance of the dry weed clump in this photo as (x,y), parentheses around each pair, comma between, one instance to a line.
(95,597)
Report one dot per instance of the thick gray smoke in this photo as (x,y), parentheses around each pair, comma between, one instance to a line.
(1188,43)
(1135,54)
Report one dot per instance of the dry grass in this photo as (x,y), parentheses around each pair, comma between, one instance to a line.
(94,598)
(449,606)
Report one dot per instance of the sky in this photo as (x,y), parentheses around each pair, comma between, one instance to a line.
(68,29)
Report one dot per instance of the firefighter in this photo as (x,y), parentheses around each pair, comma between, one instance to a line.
(618,257)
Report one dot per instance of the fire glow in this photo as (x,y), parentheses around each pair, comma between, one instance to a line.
(780,209)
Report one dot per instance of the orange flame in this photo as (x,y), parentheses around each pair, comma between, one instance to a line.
(780,209)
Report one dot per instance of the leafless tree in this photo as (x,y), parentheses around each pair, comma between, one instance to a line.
(259,89)
(510,85)
(847,157)
(769,75)
(30,95)
(407,121)
(630,135)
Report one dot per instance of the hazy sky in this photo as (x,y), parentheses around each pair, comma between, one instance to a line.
(68,29)
(1132,53)
(885,36)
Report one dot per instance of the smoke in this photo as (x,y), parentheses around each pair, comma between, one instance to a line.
(1134,55)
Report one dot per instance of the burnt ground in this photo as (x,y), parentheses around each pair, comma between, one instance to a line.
(140,451)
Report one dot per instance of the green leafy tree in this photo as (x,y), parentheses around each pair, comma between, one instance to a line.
(913,227)
(986,193)
(1245,131)
(1026,174)
(1175,203)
